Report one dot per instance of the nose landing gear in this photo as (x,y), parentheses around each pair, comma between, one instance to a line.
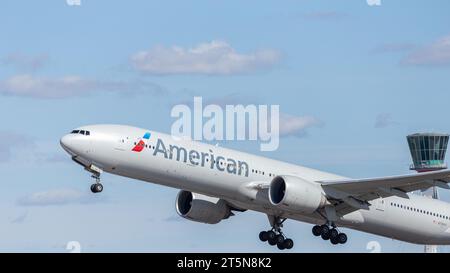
(97,187)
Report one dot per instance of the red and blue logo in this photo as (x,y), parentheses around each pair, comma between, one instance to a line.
(141,144)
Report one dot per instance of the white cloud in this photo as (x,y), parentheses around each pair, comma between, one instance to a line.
(56,197)
(27,85)
(435,54)
(214,58)
(297,125)
(25,62)
(31,86)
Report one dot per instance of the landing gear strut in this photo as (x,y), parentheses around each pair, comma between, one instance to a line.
(330,232)
(275,236)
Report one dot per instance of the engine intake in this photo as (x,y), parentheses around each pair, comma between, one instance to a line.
(201,208)
(296,194)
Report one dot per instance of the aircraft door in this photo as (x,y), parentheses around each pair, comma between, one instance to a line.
(380,204)
(121,143)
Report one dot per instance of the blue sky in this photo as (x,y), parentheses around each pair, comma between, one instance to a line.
(367,75)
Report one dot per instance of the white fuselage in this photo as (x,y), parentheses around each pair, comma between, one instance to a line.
(204,169)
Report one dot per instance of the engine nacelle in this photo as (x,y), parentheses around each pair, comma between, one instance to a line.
(296,194)
(201,208)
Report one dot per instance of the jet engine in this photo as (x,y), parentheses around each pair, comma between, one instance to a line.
(296,194)
(201,208)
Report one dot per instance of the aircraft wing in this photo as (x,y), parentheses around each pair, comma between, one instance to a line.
(354,194)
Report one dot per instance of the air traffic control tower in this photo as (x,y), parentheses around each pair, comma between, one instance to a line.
(428,154)
(428,151)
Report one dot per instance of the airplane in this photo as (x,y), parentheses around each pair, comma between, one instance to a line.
(215,183)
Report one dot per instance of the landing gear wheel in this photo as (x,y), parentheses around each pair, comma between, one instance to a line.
(272,242)
(279,239)
(334,240)
(325,236)
(281,246)
(342,238)
(271,235)
(96,188)
(334,233)
(263,236)
(324,229)
(317,231)
(288,244)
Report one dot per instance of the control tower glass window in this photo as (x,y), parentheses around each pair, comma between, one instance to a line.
(428,151)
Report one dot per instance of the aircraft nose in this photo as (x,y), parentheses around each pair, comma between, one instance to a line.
(66,143)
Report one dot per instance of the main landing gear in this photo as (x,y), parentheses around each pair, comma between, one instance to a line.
(275,236)
(330,232)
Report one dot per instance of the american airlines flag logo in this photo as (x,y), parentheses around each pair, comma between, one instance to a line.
(141,144)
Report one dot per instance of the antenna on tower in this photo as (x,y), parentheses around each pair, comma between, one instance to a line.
(428,154)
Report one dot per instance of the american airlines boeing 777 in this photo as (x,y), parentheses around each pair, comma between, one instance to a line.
(215,182)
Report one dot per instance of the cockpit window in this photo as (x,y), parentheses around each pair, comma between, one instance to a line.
(75,131)
(88,133)
(82,132)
